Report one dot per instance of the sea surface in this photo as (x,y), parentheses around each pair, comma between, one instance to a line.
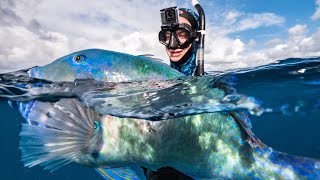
(282,100)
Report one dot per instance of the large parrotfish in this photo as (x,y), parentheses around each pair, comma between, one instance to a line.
(204,146)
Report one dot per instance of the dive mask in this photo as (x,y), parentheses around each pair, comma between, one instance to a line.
(177,38)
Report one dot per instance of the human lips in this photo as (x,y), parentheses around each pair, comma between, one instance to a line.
(175,53)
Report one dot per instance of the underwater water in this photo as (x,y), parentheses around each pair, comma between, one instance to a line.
(283,99)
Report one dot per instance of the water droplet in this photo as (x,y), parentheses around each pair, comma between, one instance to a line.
(301,71)
(231,98)
(268,110)
(317,165)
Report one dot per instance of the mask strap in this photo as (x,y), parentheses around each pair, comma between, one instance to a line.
(185,14)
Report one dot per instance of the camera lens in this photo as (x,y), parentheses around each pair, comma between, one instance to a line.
(170,15)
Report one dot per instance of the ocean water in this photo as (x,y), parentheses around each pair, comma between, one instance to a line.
(282,99)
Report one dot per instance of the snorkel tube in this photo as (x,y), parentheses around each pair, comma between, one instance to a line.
(202,31)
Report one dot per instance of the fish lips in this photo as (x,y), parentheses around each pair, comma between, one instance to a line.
(33,72)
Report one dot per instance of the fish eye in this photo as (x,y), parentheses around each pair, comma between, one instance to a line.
(95,155)
(78,58)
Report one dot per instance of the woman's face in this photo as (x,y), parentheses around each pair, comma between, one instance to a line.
(175,55)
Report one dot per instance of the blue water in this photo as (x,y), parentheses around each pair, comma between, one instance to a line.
(286,94)
(292,89)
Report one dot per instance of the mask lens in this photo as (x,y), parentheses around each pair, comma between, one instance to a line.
(183,35)
(164,37)
(167,36)
(178,38)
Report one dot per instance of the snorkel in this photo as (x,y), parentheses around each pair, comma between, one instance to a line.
(202,31)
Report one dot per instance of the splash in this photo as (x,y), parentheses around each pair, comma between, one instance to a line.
(288,87)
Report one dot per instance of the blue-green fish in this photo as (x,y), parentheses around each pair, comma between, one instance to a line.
(206,146)
(103,65)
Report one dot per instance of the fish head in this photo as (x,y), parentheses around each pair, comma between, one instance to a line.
(103,65)
(74,66)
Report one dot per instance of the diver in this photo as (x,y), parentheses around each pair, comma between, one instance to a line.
(182,33)
(179,34)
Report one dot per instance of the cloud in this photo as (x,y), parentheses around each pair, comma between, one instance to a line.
(231,52)
(7,16)
(298,30)
(24,48)
(55,28)
(253,21)
(231,16)
(298,45)
(38,32)
(252,42)
(316,14)
(273,42)
(234,21)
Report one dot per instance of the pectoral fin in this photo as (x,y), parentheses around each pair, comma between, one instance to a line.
(59,133)
(132,172)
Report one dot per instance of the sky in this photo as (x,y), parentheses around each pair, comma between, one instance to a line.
(240,33)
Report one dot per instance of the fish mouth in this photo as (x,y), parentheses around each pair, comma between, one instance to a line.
(33,72)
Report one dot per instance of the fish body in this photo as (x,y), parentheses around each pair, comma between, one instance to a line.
(206,146)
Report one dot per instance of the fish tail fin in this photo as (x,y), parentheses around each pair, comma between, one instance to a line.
(286,166)
(68,133)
